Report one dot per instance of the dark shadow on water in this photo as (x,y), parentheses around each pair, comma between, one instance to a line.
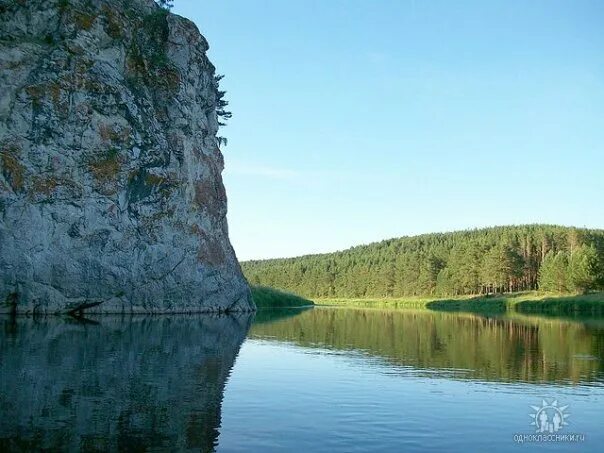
(590,306)
(480,305)
(115,383)
(266,315)
(79,319)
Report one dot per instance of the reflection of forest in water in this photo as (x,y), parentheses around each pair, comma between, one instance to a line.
(530,349)
(135,382)
(117,383)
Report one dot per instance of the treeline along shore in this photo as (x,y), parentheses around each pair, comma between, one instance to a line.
(494,260)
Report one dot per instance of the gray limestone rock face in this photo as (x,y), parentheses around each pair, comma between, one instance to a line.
(111,195)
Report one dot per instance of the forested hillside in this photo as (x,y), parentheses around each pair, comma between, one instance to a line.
(490,260)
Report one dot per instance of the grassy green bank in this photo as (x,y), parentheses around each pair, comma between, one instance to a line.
(374,302)
(525,302)
(266,297)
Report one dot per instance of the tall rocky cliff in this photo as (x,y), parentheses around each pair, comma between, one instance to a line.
(111,196)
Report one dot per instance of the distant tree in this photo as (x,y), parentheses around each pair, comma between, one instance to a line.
(574,240)
(553,274)
(547,279)
(502,267)
(513,265)
(582,268)
(428,272)
(444,286)
(464,263)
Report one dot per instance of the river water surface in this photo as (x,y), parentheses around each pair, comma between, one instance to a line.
(322,379)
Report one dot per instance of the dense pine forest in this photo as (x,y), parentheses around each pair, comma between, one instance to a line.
(484,261)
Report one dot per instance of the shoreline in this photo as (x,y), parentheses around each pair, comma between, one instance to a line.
(523,302)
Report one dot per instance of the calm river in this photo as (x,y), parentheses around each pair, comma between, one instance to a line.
(322,379)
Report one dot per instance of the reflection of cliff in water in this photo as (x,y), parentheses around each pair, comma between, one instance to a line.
(123,383)
(532,350)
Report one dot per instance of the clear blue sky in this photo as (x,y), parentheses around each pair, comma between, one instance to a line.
(356,121)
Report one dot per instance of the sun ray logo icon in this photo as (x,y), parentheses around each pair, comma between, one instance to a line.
(549,418)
